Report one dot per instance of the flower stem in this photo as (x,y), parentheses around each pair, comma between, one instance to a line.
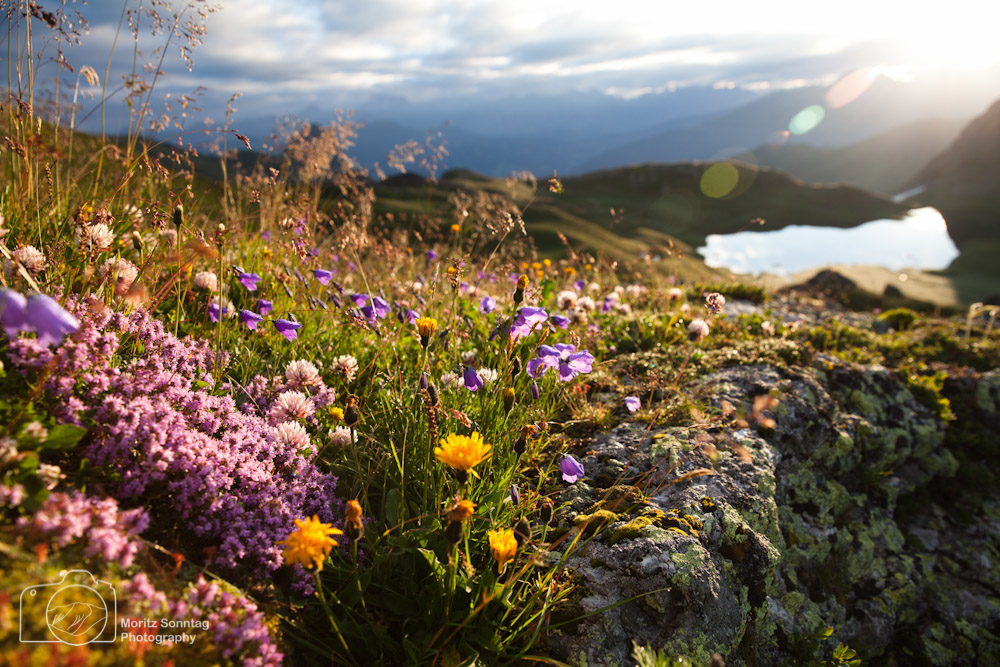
(329,614)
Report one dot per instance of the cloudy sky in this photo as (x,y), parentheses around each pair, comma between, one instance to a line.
(288,55)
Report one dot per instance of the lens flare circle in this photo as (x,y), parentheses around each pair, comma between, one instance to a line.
(807,119)
(719,180)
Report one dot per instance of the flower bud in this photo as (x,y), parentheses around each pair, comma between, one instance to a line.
(508,399)
(178,215)
(545,514)
(522,531)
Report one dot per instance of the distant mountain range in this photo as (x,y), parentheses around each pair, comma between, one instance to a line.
(885,163)
(578,132)
(963,181)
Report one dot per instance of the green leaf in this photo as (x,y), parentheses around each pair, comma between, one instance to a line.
(64,436)
(393,501)
(439,570)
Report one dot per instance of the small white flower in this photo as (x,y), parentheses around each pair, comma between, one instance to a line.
(291,405)
(49,474)
(98,237)
(340,436)
(302,373)
(488,375)
(292,434)
(30,257)
(8,450)
(566,299)
(36,431)
(450,380)
(123,271)
(586,303)
(346,365)
(675,293)
(206,280)
(698,329)
(469,357)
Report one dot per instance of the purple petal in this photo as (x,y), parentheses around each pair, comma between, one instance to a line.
(571,469)
(487,305)
(13,311)
(287,328)
(472,379)
(250,280)
(49,319)
(264,306)
(250,318)
(323,276)
(632,403)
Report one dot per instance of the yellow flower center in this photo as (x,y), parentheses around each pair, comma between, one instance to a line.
(311,543)
(462,451)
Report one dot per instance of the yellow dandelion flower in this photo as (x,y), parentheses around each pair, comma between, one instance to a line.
(524,265)
(503,546)
(456,228)
(337,414)
(547,262)
(426,326)
(522,281)
(311,543)
(569,271)
(536,265)
(463,452)
(540,273)
(588,267)
(352,520)
(462,510)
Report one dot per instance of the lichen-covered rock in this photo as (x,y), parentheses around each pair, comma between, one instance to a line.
(747,538)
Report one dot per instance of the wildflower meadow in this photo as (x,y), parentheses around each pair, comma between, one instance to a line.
(260,419)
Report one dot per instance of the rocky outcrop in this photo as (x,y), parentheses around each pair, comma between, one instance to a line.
(747,538)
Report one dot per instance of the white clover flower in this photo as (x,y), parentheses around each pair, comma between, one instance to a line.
(206,280)
(340,436)
(36,431)
(292,434)
(469,357)
(49,474)
(675,293)
(346,365)
(123,271)
(488,375)
(698,329)
(302,373)
(98,237)
(30,257)
(566,299)
(586,303)
(449,380)
(291,405)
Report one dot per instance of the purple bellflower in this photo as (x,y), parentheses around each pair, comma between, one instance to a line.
(571,469)
(288,328)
